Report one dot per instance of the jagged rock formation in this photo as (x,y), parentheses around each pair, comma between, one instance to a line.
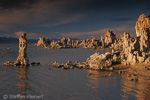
(94,43)
(103,61)
(133,50)
(124,41)
(143,31)
(69,65)
(136,52)
(110,38)
(64,43)
(41,42)
(97,61)
(22,58)
(91,43)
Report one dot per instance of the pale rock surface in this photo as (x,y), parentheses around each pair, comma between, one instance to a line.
(22,58)
(110,38)
(143,31)
(41,42)
(99,61)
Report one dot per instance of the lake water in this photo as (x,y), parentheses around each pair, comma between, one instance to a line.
(50,83)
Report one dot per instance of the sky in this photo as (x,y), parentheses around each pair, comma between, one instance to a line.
(70,18)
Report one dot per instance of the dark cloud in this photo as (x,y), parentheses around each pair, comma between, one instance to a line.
(16,4)
(53,13)
(121,19)
(147,9)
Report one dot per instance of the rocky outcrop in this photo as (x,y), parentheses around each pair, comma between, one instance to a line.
(103,61)
(124,41)
(94,43)
(136,52)
(41,42)
(97,61)
(91,43)
(143,31)
(22,58)
(64,43)
(69,65)
(110,38)
(133,50)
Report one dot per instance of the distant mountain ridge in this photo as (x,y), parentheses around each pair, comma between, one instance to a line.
(8,40)
(16,40)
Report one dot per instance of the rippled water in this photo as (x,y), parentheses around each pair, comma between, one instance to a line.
(51,83)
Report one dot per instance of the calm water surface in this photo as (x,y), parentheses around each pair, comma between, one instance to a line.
(51,83)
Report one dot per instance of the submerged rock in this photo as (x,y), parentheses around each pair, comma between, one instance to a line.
(56,64)
(9,63)
(69,65)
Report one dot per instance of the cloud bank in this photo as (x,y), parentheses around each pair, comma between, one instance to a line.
(97,33)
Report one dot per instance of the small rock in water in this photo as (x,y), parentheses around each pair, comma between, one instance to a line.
(109,74)
(136,80)
(104,75)
(8,48)
(47,64)
(33,63)
(37,64)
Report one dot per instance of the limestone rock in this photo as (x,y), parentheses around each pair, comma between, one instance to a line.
(64,40)
(134,52)
(147,60)
(132,59)
(99,61)
(124,41)
(143,31)
(8,63)
(22,58)
(56,64)
(141,59)
(110,38)
(41,42)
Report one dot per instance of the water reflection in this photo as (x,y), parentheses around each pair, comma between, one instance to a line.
(94,79)
(140,90)
(22,84)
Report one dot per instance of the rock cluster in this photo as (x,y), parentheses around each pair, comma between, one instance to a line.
(133,50)
(69,65)
(64,43)
(104,42)
(22,58)
(137,52)
(96,61)
(124,41)
(92,43)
